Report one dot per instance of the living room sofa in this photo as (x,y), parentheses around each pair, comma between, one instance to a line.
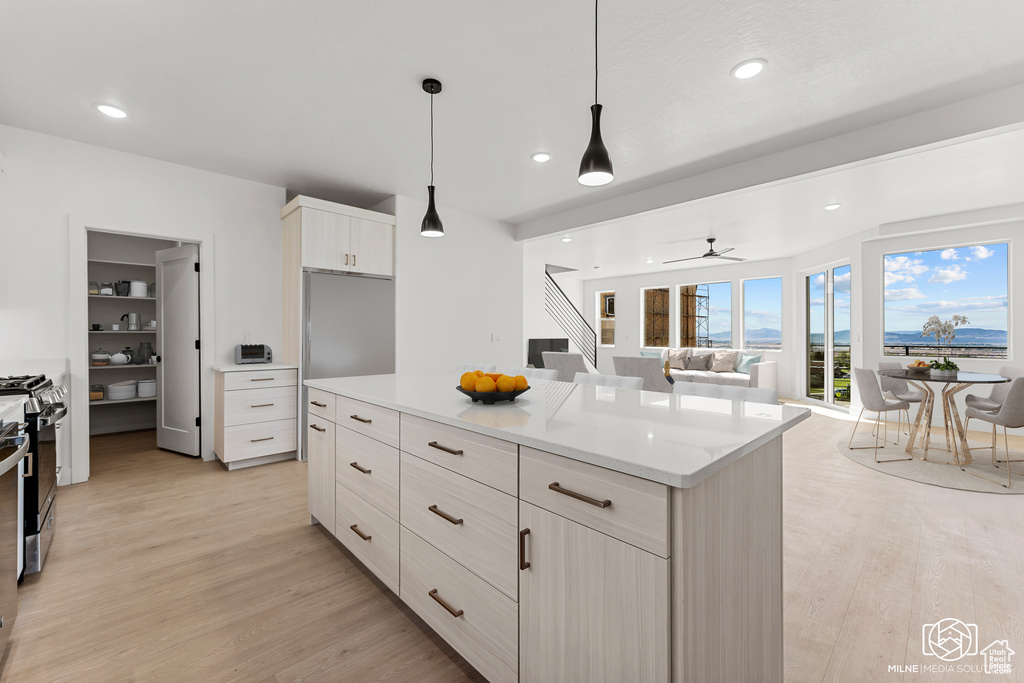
(763,374)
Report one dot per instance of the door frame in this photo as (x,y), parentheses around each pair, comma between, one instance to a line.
(804,327)
(78,335)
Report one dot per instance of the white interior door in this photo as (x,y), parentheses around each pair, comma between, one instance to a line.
(177,337)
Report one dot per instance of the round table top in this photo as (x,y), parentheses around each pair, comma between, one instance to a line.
(961,377)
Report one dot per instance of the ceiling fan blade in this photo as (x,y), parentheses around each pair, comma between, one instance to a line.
(731,258)
(692,258)
(726,250)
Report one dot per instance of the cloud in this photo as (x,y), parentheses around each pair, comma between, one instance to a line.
(817,302)
(949,255)
(963,307)
(903,294)
(980,252)
(842,283)
(903,269)
(943,276)
(762,317)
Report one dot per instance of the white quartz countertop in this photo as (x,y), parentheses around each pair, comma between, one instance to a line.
(254,366)
(11,409)
(674,440)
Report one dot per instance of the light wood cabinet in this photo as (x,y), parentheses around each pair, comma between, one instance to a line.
(254,414)
(320,457)
(591,607)
(372,246)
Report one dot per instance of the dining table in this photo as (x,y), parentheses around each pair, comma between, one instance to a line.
(954,382)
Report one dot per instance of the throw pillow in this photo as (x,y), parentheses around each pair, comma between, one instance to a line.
(651,354)
(746,360)
(725,361)
(677,358)
(701,362)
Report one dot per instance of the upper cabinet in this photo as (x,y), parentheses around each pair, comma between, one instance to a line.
(329,236)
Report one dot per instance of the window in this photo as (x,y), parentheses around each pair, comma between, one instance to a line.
(705,315)
(828,335)
(606,317)
(762,313)
(655,320)
(969,281)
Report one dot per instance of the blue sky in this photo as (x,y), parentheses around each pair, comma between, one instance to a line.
(720,307)
(841,300)
(969,281)
(762,304)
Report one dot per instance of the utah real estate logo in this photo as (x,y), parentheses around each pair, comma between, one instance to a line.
(956,644)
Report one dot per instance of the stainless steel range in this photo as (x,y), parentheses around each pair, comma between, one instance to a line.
(44,411)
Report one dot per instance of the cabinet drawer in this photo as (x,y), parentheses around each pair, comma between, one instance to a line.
(485,633)
(321,404)
(260,379)
(370,468)
(637,514)
(259,405)
(257,439)
(376,541)
(483,458)
(465,519)
(366,418)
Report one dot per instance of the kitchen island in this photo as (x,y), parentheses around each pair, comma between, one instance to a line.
(581,533)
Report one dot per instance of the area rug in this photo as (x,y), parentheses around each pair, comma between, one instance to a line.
(934,471)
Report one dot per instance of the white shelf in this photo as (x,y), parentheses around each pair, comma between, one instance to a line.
(121,367)
(122,263)
(108,401)
(122,298)
(122,331)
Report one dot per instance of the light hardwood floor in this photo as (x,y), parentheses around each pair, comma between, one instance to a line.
(168,569)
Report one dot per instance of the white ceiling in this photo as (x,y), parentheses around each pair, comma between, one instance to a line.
(787,218)
(323,96)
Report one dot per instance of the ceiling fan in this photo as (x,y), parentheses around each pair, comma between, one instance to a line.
(711,253)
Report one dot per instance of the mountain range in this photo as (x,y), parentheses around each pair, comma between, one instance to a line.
(978,336)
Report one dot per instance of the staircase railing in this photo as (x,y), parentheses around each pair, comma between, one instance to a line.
(568,317)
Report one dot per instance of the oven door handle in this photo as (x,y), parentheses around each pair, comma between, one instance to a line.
(56,417)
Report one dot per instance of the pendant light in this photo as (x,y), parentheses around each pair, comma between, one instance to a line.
(596,167)
(431,226)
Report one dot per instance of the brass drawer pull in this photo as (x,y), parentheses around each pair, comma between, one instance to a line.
(356,465)
(266,438)
(261,405)
(318,405)
(319,429)
(360,419)
(263,379)
(440,601)
(579,496)
(360,534)
(439,513)
(434,444)
(523,564)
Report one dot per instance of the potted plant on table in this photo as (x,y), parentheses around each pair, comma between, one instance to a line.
(943,330)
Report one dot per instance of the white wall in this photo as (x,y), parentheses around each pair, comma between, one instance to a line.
(452,293)
(50,184)
(628,310)
(537,322)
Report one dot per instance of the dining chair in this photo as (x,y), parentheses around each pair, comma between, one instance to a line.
(1010,415)
(462,368)
(871,399)
(996,397)
(616,381)
(567,364)
(749,394)
(652,370)
(900,390)
(534,373)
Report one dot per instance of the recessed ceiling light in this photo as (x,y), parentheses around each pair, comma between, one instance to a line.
(567,239)
(832,207)
(749,68)
(541,157)
(112,111)
(650,260)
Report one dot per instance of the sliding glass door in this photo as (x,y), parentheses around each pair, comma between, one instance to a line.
(828,336)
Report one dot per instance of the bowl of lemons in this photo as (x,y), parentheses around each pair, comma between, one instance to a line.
(919,366)
(491,387)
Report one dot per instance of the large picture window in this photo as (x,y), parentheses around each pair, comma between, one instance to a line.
(705,315)
(762,313)
(656,316)
(969,281)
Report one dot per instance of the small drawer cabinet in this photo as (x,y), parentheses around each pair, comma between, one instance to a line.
(255,414)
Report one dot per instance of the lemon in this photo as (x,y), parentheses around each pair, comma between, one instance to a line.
(521,383)
(485,384)
(506,383)
(468,381)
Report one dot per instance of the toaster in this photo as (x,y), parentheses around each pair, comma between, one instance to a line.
(253,353)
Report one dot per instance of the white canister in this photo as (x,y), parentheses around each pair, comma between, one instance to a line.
(118,359)
(147,388)
(139,288)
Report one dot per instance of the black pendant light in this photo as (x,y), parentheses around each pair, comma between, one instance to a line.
(431,226)
(596,167)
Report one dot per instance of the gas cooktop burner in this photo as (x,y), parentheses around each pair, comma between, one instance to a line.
(23,384)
